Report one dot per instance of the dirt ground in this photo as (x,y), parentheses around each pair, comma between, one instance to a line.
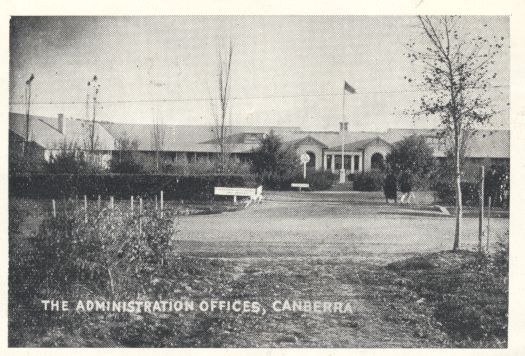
(292,225)
(330,247)
(301,246)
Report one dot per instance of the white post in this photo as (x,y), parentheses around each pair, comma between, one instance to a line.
(481,206)
(361,168)
(352,158)
(332,164)
(140,215)
(85,209)
(156,203)
(111,203)
(132,205)
(304,170)
(235,199)
(161,203)
(98,202)
(54,208)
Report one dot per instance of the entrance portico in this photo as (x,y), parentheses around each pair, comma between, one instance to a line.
(353,161)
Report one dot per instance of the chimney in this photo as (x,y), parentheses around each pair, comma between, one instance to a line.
(61,124)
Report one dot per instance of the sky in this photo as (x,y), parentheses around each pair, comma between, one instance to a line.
(286,70)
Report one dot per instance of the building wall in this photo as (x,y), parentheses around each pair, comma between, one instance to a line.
(379,147)
(316,150)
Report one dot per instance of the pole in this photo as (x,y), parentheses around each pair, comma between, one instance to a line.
(85,209)
(161,203)
(132,205)
(26,143)
(304,170)
(481,203)
(342,177)
(488,221)
(111,203)
(54,208)
(98,202)
(140,215)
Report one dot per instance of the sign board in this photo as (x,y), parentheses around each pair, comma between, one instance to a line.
(243,192)
(300,185)
(305,158)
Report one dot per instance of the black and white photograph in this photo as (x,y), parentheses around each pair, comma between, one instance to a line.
(256,181)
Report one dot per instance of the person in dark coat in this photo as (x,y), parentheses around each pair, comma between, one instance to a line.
(390,187)
(406,185)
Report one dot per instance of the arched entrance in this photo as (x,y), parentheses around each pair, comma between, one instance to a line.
(311,163)
(377,161)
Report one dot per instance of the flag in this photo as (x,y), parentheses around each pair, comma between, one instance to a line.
(343,126)
(348,88)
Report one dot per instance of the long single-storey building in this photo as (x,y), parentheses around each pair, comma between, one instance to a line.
(362,150)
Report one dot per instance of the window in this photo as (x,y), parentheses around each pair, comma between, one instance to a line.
(328,162)
(356,163)
(337,162)
(347,161)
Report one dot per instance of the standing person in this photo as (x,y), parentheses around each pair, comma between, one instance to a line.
(390,187)
(406,184)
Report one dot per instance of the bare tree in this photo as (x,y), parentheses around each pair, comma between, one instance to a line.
(158,135)
(223,113)
(28,107)
(96,88)
(456,76)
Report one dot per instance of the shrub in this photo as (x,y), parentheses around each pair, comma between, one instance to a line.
(446,193)
(412,154)
(191,187)
(369,181)
(318,180)
(109,253)
(125,166)
(275,163)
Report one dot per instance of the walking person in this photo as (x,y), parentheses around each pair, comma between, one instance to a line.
(390,187)
(406,183)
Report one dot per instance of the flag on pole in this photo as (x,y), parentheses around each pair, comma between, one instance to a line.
(348,88)
(343,126)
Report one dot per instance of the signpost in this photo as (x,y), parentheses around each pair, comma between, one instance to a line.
(305,158)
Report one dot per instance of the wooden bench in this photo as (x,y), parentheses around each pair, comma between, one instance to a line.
(301,186)
(255,194)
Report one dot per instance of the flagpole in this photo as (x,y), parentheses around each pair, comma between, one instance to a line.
(342,174)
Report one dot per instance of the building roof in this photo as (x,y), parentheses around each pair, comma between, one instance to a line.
(191,138)
(307,140)
(360,145)
(45,132)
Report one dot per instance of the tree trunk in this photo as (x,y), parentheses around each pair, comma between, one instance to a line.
(459,203)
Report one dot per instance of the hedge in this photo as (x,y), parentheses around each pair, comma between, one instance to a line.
(446,194)
(190,187)
(369,181)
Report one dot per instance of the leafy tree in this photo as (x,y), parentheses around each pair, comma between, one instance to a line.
(457,71)
(274,162)
(71,159)
(123,161)
(412,154)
